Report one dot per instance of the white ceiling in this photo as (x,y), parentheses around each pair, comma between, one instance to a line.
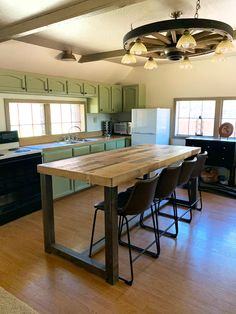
(105,25)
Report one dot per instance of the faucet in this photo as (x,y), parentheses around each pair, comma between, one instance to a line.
(70,136)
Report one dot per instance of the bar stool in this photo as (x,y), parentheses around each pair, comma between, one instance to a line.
(167,182)
(133,202)
(195,176)
(184,177)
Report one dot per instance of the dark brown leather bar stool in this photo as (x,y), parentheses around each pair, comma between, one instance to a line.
(195,176)
(166,185)
(184,177)
(130,203)
(192,200)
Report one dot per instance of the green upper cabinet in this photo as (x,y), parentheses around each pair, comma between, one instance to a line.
(109,98)
(75,87)
(80,88)
(116,98)
(57,86)
(104,98)
(40,84)
(37,84)
(134,96)
(12,81)
(90,89)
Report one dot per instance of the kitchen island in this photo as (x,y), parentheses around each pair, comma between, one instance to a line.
(108,169)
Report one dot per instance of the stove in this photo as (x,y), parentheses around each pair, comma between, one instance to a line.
(9,146)
(19,180)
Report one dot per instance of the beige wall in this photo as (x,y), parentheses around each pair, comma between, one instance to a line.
(168,81)
(31,58)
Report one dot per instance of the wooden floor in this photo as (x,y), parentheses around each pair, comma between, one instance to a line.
(194,274)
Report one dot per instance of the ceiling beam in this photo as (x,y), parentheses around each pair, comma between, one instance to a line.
(41,22)
(101,56)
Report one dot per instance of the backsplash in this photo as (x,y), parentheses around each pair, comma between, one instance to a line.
(94,121)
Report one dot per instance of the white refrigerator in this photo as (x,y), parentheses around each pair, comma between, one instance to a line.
(150,126)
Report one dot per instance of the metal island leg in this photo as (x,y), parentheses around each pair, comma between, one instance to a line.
(111,234)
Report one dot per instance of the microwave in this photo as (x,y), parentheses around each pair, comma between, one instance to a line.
(122,127)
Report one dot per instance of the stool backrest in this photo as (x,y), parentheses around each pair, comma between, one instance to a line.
(167,182)
(186,171)
(141,197)
(201,159)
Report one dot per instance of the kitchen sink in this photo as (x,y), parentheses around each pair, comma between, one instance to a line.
(84,140)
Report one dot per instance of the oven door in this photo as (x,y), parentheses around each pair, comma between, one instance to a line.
(19,186)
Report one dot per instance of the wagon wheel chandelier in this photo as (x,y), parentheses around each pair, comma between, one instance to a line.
(177,39)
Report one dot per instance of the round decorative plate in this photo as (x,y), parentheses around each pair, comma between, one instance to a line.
(226,129)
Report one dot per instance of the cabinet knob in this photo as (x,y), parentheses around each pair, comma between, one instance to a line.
(23,88)
(50,90)
(85,93)
(224,147)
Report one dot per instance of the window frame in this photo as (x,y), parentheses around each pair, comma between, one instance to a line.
(47,115)
(218,113)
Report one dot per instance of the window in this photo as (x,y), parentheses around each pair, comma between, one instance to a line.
(40,118)
(188,113)
(27,118)
(214,112)
(65,116)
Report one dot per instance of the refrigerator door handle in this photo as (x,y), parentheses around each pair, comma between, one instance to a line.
(143,133)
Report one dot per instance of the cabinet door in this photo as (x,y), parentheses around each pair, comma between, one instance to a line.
(90,89)
(130,97)
(120,143)
(12,82)
(127,142)
(61,186)
(110,145)
(95,148)
(37,84)
(79,151)
(57,86)
(75,87)
(82,150)
(104,98)
(116,98)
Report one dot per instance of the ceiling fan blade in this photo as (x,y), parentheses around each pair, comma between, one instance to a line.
(101,55)
(162,38)
(152,41)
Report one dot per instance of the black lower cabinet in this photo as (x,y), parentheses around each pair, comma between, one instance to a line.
(221,153)
(19,187)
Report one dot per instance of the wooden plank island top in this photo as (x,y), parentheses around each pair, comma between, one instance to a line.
(112,168)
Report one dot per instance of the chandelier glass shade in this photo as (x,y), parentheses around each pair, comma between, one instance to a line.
(186,41)
(179,38)
(185,64)
(128,58)
(138,48)
(150,64)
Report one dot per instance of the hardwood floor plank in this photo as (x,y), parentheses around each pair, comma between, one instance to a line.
(194,274)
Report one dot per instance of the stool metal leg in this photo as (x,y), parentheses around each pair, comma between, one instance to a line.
(93,229)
